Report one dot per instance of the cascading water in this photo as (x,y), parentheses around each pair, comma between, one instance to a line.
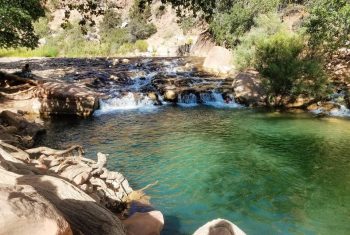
(129,87)
(187,100)
(126,102)
(337,99)
(216,99)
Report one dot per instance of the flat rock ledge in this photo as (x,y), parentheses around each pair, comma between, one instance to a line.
(59,192)
(46,97)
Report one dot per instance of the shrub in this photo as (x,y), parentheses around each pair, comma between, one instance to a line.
(141,30)
(187,23)
(265,26)
(126,48)
(138,26)
(141,45)
(286,73)
(328,25)
(111,20)
(41,27)
(228,26)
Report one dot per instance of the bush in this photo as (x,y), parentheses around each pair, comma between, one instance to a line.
(141,30)
(228,27)
(328,25)
(126,48)
(187,23)
(286,73)
(141,45)
(111,20)
(41,27)
(265,26)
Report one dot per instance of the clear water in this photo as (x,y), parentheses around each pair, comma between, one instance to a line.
(269,173)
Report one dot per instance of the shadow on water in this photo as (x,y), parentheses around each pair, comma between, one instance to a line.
(172,226)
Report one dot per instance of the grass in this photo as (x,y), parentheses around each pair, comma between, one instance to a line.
(44,51)
(82,49)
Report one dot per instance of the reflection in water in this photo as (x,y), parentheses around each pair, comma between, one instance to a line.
(268,173)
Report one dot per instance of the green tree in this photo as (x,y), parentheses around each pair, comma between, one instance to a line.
(16,17)
(286,73)
(328,25)
(228,26)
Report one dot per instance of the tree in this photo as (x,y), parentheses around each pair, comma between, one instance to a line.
(16,17)
(328,25)
(286,72)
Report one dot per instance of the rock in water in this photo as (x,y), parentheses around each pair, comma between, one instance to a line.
(219,227)
(248,89)
(67,99)
(25,211)
(170,95)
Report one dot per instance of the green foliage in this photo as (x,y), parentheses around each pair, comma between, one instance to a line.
(228,26)
(140,11)
(41,27)
(16,27)
(141,30)
(141,45)
(45,51)
(287,74)
(328,24)
(139,15)
(111,20)
(265,26)
(187,23)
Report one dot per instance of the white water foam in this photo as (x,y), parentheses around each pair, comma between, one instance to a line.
(126,102)
(342,112)
(216,100)
(139,82)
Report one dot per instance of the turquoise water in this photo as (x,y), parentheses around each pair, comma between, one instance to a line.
(269,173)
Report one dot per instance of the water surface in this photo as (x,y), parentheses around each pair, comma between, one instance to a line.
(269,173)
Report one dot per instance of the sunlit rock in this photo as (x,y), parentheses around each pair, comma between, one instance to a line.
(219,227)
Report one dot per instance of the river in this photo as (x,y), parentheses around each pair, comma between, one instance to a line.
(269,173)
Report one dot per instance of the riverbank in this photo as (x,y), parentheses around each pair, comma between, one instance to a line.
(107,84)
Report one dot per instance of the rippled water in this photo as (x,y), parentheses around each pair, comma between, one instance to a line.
(269,173)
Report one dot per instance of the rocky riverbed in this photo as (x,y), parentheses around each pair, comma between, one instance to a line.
(82,86)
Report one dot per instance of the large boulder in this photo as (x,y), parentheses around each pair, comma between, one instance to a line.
(203,45)
(67,99)
(248,89)
(83,214)
(219,60)
(25,211)
(219,227)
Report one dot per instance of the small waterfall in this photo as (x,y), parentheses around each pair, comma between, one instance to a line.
(187,100)
(127,102)
(140,82)
(338,99)
(342,112)
(217,100)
